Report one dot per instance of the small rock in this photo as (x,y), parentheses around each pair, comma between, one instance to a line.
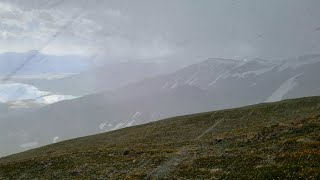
(126,152)
(216,170)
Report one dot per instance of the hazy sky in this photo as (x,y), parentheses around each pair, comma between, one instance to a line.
(162,29)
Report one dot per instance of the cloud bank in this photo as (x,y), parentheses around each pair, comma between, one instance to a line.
(153,30)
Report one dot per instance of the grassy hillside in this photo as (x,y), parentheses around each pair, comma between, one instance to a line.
(267,141)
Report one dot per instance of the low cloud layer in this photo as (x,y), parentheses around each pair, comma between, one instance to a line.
(153,30)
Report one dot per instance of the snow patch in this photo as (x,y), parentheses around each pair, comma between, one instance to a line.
(18,91)
(130,123)
(283,89)
(54,98)
(55,139)
(102,125)
(214,81)
(117,126)
(174,85)
(165,85)
(255,73)
(192,79)
(29,144)
(21,92)
(252,85)
(136,115)
(298,62)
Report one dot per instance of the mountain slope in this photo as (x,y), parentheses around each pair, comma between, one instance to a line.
(267,141)
(236,83)
(210,85)
(90,115)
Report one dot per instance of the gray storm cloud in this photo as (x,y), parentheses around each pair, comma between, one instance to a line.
(182,29)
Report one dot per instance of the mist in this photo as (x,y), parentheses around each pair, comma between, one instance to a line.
(164,30)
(146,89)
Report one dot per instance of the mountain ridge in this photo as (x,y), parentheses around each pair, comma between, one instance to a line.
(269,140)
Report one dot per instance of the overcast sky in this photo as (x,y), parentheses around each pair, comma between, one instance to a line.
(162,29)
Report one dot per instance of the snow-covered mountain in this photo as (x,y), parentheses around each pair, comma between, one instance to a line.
(210,85)
(231,83)
(20,92)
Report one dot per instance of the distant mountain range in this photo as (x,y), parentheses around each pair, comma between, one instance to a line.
(109,76)
(210,85)
(75,75)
